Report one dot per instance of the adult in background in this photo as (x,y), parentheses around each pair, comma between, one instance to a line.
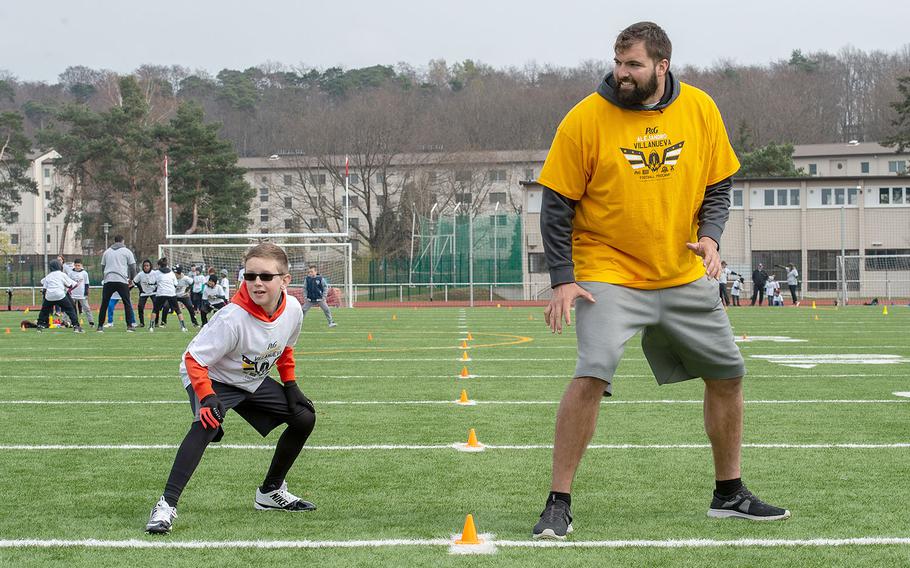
(636,195)
(759,278)
(118,266)
(722,280)
(793,282)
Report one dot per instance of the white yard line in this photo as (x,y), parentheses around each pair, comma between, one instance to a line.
(392,447)
(449,402)
(400,376)
(438,542)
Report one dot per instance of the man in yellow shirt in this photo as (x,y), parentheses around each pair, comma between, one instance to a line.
(636,195)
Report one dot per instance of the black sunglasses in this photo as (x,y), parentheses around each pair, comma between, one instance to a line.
(264,276)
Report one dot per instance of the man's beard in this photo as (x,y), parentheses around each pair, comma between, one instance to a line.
(639,93)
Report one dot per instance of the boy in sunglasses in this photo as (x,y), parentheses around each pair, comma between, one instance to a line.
(226,366)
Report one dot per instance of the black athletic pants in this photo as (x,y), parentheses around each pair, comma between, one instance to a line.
(66,304)
(162,301)
(793,292)
(106,292)
(758,292)
(141,307)
(188,303)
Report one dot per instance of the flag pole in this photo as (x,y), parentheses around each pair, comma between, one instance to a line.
(347,198)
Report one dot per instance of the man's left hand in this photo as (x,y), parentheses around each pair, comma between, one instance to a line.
(707,249)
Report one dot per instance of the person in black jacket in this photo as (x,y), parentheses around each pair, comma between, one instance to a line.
(759,278)
(316,290)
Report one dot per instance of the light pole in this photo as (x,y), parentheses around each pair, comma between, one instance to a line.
(106,227)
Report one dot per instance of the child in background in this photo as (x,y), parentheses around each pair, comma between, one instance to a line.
(56,286)
(737,290)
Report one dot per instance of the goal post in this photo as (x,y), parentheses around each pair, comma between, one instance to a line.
(332,259)
(860,278)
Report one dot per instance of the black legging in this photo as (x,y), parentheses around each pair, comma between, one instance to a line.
(793,292)
(198,438)
(141,309)
(758,291)
(185,300)
(106,292)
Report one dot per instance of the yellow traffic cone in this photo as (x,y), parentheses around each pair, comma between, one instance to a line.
(816,317)
(369,337)
(469,532)
(885,311)
(394,317)
(472,439)
(530,318)
(464,344)
(26,311)
(813,304)
(463,399)
(498,305)
(464,356)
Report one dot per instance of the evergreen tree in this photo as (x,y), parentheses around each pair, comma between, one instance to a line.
(901,138)
(773,160)
(14,163)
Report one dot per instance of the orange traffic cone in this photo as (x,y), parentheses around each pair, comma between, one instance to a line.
(464,344)
(744,336)
(471,337)
(530,318)
(472,440)
(498,305)
(369,337)
(7,331)
(463,399)
(464,372)
(469,532)
(464,356)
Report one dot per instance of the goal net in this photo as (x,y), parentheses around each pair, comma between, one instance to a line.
(860,278)
(332,261)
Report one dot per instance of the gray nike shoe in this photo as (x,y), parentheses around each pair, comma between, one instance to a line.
(281,500)
(555,521)
(744,505)
(162,518)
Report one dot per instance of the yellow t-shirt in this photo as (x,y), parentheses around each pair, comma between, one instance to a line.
(639,178)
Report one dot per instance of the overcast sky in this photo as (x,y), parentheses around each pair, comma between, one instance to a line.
(39,41)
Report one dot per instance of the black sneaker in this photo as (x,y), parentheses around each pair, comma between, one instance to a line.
(555,521)
(744,505)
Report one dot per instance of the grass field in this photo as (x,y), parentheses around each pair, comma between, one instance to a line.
(828,438)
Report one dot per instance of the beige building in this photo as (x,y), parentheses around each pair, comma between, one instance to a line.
(850,159)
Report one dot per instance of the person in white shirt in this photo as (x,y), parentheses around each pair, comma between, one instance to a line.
(793,282)
(56,286)
(736,291)
(776,298)
(213,298)
(722,281)
(166,294)
(183,285)
(226,366)
(225,284)
(79,294)
(145,281)
(199,280)
(770,286)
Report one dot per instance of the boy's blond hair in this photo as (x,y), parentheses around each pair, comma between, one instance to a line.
(270,251)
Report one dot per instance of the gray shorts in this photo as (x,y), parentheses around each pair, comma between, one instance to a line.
(686,333)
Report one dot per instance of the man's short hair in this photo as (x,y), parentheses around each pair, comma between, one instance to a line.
(269,251)
(77,261)
(118,238)
(162,262)
(657,43)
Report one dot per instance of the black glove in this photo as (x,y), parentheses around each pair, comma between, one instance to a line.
(296,398)
(211,413)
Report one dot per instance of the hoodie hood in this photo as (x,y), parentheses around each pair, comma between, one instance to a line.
(242,298)
(164,270)
(55,265)
(607,90)
(116,246)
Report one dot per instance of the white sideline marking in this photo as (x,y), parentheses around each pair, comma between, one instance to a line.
(368,447)
(772,338)
(810,361)
(278,544)
(473,402)
(565,376)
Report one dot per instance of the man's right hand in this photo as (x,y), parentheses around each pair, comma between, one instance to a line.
(211,412)
(560,307)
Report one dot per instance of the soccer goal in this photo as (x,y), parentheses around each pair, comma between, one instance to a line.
(861,278)
(332,260)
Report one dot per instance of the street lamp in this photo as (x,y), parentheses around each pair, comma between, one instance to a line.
(106,227)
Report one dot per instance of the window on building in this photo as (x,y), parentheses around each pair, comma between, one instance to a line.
(813,169)
(381,201)
(897,195)
(822,273)
(288,202)
(263,194)
(737,198)
(794,198)
(47,216)
(317,179)
(47,195)
(323,201)
(354,200)
(782,197)
(864,167)
(827,196)
(289,224)
(497,197)
(884,196)
(263,215)
(264,230)
(537,263)
(497,175)
(529,174)
(464,197)
(502,220)
(839,196)
(431,177)
(287,180)
(317,223)
(47,173)
(463,175)
(852,195)
(47,239)
(888,264)
(355,246)
(354,179)
(380,178)
(14,238)
(897,166)
(769,198)
(13,217)
(355,222)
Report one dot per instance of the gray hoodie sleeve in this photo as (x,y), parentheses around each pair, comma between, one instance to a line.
(715,210)
(556,215)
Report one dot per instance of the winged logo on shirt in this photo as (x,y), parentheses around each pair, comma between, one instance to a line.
(653,161)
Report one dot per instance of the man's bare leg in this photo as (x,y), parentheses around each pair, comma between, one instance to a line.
(724,424)
(575,424)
